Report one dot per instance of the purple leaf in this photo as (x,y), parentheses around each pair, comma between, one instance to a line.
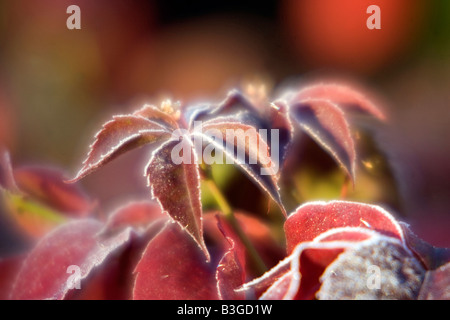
(177,187)
(382,268)
(235,105)
(279,119)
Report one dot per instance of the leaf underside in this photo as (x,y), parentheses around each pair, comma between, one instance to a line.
(257,162)
(325,123)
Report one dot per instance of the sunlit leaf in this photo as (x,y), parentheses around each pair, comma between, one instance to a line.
(279,120)
(7,180)
(118,136)
(314,218)
(235,106)
(177,187)
(325,123)
(33,217)
(230,273)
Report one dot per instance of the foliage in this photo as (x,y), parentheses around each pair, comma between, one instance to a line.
(170,247)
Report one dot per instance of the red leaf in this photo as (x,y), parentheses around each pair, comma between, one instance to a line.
(342,95)
(8,272)
(118,136)
(177,188)
(284,281)
(257,231)
(314,218)
(243,146)
(47,185)
(44,273)
(155,114)
(431,257)
(173,268)
(381,268)
(230,273)
(325,123)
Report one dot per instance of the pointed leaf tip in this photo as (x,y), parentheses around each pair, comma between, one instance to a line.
(346,96)
(326,124)
(123,133)
(176,186)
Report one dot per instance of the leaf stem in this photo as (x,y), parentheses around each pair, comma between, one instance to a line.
(255,259)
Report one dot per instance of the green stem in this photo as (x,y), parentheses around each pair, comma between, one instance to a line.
(228,214)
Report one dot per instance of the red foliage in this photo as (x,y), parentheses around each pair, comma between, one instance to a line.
(171,249)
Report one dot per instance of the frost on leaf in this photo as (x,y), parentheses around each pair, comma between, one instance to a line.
(319,110)
(297,276)
(177,188)
(242,145)
(173,268)
(44,272)
(330,249)
(385,269)
(118,136)
(326,124)
(37,198)
(314,218)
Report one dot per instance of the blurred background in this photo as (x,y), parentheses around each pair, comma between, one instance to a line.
(57,86)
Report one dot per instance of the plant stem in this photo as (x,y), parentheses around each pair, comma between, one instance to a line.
(228,214)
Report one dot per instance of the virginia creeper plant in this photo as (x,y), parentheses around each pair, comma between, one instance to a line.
(170,247)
